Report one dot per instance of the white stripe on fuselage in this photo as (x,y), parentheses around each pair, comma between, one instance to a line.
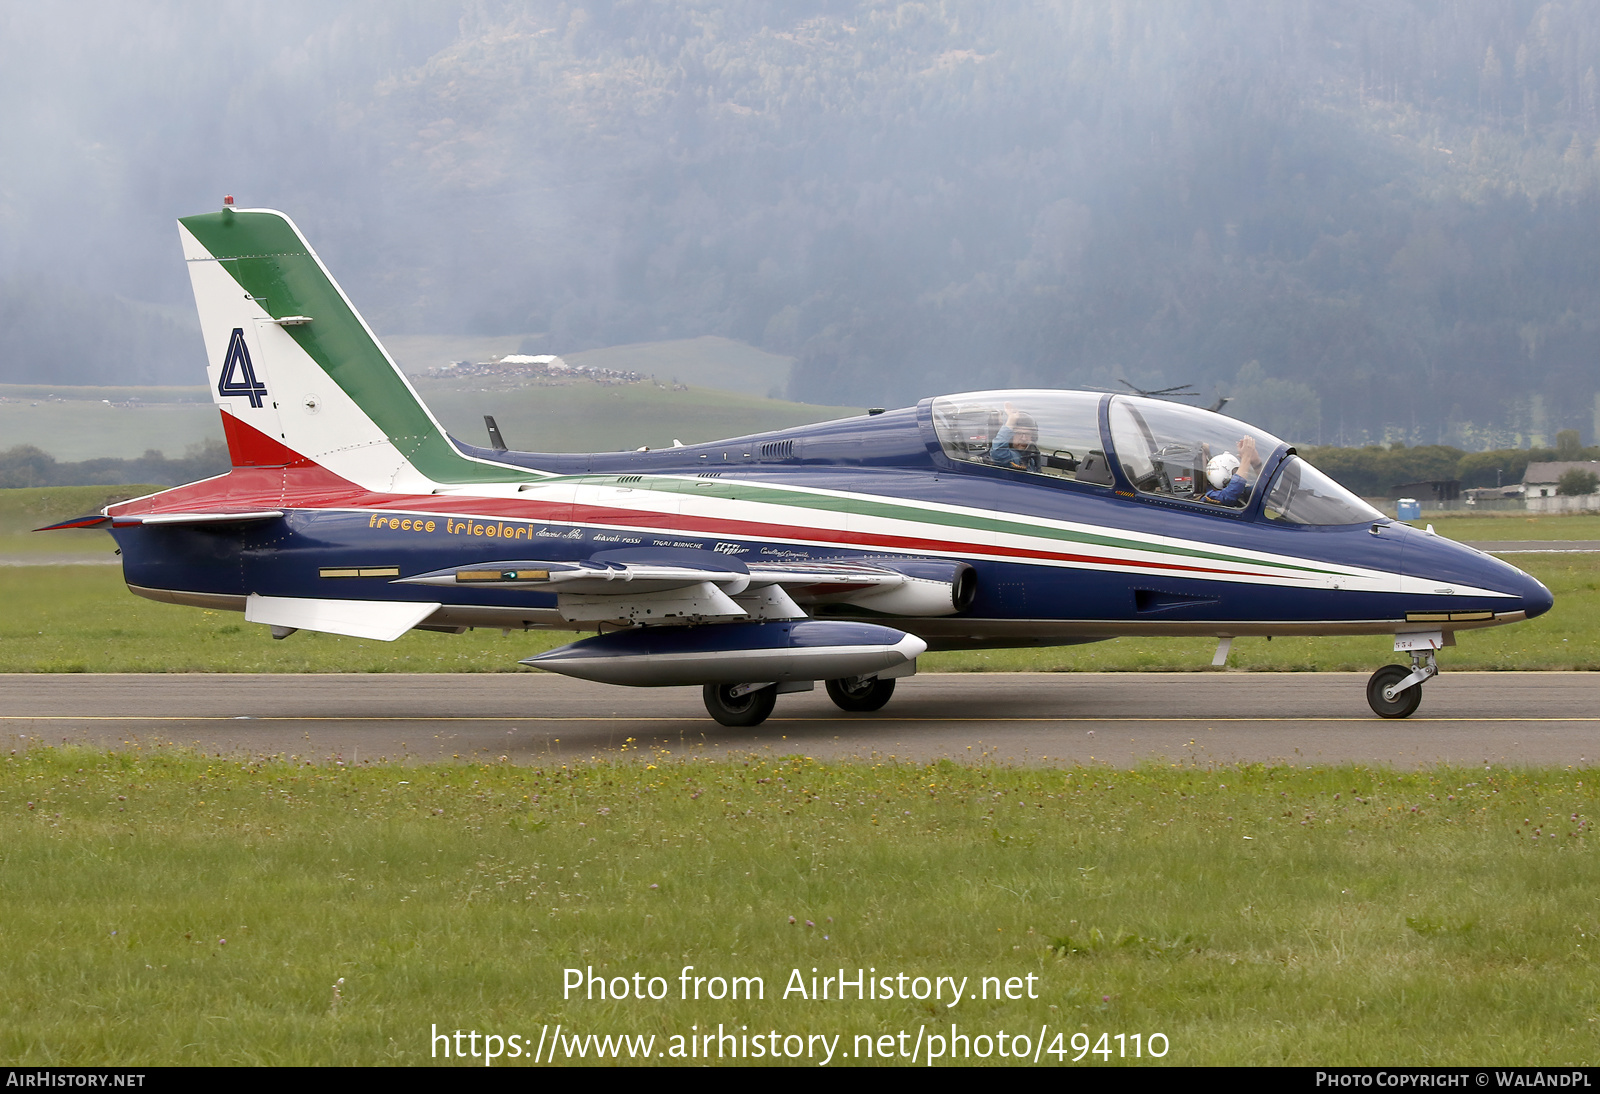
(1249,567)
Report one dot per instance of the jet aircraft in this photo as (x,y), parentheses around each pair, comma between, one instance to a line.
(760,565)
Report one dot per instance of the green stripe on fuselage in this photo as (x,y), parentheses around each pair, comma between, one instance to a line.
(870,505)
(267,257)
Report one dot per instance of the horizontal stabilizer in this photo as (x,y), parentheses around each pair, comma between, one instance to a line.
(212,516)
(93,520)
(383,620)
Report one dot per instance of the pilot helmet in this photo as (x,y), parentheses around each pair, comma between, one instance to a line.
(1221,469)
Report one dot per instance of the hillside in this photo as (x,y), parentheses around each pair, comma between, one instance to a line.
(593,418)
(81,423)
(1374,221)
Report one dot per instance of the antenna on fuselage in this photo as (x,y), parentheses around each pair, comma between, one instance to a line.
(496,441)
(1178,392)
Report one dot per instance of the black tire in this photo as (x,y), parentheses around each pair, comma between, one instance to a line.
(750,709)
(1402,705)
(861,697)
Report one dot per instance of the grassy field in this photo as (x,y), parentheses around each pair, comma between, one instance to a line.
(167,908)
(78,618)
(21,511)
(580,417)
(1509,526)
(707,361)
(86,428)
(593,418)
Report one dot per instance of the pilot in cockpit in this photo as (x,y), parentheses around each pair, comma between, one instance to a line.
(1232,477)
(1017,443)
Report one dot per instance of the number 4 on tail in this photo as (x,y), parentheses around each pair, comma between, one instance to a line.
(238,374)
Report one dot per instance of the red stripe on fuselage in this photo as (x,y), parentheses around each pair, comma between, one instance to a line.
(298,483)
(531,511)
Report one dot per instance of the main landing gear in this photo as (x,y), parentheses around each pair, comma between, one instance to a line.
(743,705)
(740,705)
(859,694)
(1395,691)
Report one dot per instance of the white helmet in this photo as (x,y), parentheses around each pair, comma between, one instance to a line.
(1221,469)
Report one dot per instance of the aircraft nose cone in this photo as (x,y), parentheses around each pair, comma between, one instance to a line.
(1536,599)
(1443,562)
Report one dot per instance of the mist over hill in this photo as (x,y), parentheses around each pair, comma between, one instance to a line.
(1364,221)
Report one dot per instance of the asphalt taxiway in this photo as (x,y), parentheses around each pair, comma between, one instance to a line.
(1468,718)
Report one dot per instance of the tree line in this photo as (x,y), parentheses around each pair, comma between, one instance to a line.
(1373,470)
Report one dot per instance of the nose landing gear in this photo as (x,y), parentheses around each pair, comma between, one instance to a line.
(1396,692)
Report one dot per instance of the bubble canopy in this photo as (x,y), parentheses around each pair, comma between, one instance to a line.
(1164,449)
(1052,433)
(1187,453)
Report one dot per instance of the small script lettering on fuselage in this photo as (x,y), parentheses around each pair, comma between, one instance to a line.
(494,529)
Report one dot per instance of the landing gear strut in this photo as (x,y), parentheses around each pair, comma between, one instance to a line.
(1395,691)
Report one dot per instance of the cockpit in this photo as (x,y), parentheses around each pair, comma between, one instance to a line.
(1164,450)
(993,428)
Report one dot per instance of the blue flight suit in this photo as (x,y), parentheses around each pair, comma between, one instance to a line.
(1234,493)
(1001,452)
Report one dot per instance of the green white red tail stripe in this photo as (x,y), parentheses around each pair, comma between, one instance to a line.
(289,356)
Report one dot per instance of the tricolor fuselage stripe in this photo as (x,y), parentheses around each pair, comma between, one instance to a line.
(324,428)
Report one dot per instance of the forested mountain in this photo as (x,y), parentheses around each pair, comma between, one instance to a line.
(1373,220)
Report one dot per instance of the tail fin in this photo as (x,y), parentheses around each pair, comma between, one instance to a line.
(294,366)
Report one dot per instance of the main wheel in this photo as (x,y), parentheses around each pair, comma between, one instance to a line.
(1402,705)
(860,696)
(749,709)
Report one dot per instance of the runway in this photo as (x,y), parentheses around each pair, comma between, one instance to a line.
(1467,718)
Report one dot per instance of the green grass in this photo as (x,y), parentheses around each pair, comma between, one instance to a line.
(578,417)
(593,418)
(1511,526)
(82,619)
(73,430)
(23,510)
(1253,915)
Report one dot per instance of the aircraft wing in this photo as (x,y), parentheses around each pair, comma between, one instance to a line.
(681,587)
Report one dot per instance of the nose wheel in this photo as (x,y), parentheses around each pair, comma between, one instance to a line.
(1395,691)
